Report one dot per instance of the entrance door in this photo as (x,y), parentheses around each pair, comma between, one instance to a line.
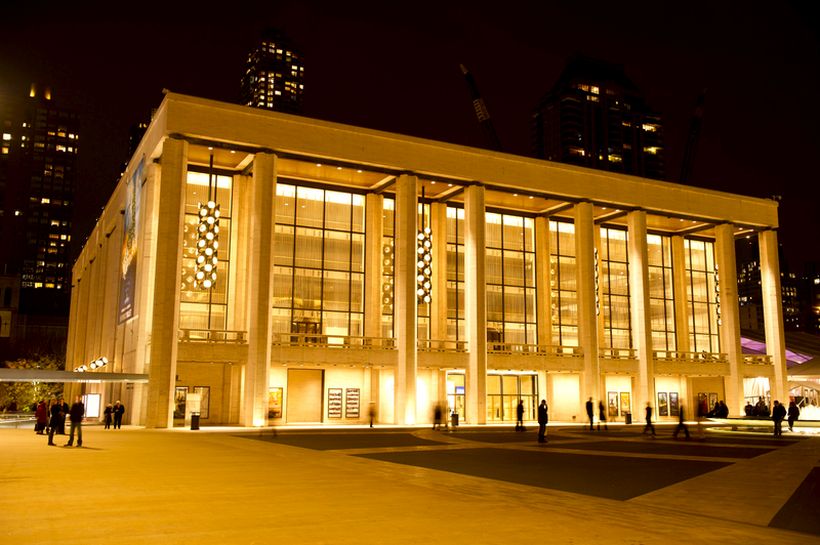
(305,395)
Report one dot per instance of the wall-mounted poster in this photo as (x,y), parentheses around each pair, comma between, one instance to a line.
(674,407)
(129,254)
(663,404)
(180,398)
(612,407)
(334,402)
(713,399)
(625,403)
(351,403)
(275,402)
(204,400)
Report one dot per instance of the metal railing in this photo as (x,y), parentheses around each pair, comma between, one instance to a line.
(437,345)
(618,353)
(220,336)
(690,357)
(757,359)
(494,347)
(334,341)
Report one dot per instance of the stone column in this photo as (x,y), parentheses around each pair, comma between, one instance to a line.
(681,294)
(475,303)
(730,315)
(773,311)
(405,305)
(438,307)
(587,318)
(639,305)
(373,267)
(543,307)
(168,267)
(260,278)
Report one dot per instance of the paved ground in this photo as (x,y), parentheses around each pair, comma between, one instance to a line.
(390,486)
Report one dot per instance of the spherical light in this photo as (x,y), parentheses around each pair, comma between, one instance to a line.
(200,275)
(211,204)
(207,283)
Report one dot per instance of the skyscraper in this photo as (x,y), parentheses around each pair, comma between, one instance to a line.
(38,168)
(274,75)
(594,116)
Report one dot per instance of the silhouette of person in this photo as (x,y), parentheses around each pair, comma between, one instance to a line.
(543,419)
(371,412)
(649,426)
(57,416)
(437,417)
(602,415)
(109,411)
(681,425)
(519,416)
(590,413)
(119,410)
(778,414)
(794,414)
(75,415)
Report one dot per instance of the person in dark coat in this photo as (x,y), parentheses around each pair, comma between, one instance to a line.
(723,409)
(64,412)
(794,414)
(749,409)
(42,417)
(107,415)
(119,410)
(519,416)
(778,414)
(75,416)
(649,426)
(602,415)
(543,419)
(57,417)
(590,413)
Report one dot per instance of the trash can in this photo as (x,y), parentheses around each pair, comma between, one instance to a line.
(454,419)
(194,421)
(627,418)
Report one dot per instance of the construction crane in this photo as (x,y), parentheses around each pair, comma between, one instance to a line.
(481,111)
(692,141)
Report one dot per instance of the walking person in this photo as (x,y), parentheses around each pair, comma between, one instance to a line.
(107,415)
(794,414)
(778,414)
(75,416)
(602,415)
(119,410)
(590,413)
(57,417)
(437,417)
(681,425)
(649,426)
(543,419)
(519,416)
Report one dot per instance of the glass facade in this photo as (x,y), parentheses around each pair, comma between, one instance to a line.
(504,392)
(455,273)
(205,308)
(318,263)
(614,288)
(700,281)
(661,295)
(510,279)
(563,284)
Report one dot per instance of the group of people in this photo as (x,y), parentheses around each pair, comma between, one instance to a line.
(51,418)
(601,414)
(779,413)
(113,412)
(759,409)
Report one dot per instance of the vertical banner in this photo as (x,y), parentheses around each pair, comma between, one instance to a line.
(128,262)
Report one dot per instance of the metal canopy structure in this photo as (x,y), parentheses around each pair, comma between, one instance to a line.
(48,375)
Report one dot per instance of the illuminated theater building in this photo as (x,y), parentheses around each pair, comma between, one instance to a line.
(285,270)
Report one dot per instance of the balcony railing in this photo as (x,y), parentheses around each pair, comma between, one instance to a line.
(757,359)
(212,336)
(434,345)
(618,353)
(691,357)
(519,349)
(333,341)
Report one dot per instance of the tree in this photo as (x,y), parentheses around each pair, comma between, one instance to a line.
(23,396)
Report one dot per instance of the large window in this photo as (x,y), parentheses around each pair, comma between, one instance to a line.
(510,278)
(563,284)
(205,308)
(318,262)
(661,298)
(614,287)
(455,273)
(505,391)
(700,280)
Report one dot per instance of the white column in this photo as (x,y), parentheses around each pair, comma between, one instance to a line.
(168,266)
(260,278)
(475,303)
(405,305)
(438,307)
(543,307)
(639,305)
(374,266)
(773,311)
(587,318)
(730,315)
(681,292)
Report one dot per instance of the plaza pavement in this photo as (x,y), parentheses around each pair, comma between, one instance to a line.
(134,485)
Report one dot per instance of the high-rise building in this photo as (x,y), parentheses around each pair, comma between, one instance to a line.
(594,116)
(274,75)
(38,168)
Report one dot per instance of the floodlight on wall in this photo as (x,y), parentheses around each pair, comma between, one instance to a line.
(207,238)
(92,365)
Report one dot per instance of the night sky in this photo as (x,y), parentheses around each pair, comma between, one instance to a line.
(395,66)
